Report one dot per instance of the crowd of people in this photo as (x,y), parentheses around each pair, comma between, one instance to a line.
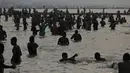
(59,22)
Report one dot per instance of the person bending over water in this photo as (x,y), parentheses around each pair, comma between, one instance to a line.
(16,58)
(98,57)
(66,59)
(63,41)
(32,47)
(76,36)
(2,65)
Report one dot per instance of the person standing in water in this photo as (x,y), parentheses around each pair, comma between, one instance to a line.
(16,58)
(124,67)
(2,65)
(63,41)
(42,29)
(32,47)
(102,22)
(76,36)
(3,34)
(24,23)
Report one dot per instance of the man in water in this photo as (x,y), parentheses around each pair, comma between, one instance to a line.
(2,65)
(103,23)
(3,34)
(16,58)
(77,37)
(63,41)
(32,47)
(124,67)
(66,59)
(98,57)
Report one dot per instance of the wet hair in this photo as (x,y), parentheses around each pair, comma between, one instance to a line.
(64,55)
(126,57)
(76,31)
(14,39)
(97,56)
(1,48)
(31,39)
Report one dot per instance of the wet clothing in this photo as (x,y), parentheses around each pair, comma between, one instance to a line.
(76,37)
(3,35)
(95,25)
(16,58)
(32,48)
(63,41)
(42,29)
(124,67)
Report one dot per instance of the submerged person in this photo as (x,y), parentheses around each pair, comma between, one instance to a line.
(66,59)
(3,34)
(16,58)
(76,36)
(63,41)
(2,65)
(32,47)
(98,57)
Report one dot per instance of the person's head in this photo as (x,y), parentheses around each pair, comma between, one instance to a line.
(76,31)
(64,55)
(1,27)
(1,48)
(13,41)
(126,57)
(31,39)
(97,56)
(64,34)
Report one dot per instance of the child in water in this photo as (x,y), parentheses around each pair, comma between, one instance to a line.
(98,57)
(66,59)
(2,65)
(16,58)
(32,47)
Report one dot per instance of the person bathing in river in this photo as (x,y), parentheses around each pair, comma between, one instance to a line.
(65,58)
(63,41)
(76,36)
(32,47)
(16,58)
(2,65)
(3,34)
(98,57)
